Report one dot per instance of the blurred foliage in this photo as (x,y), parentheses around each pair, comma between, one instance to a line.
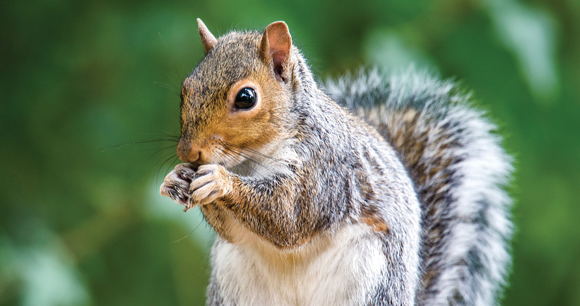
(87,86)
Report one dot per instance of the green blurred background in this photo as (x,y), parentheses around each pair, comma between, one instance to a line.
(87,86)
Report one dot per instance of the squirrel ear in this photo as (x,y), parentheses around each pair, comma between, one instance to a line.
(207,38)
(276,45)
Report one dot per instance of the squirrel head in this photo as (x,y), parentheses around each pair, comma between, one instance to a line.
(237,99)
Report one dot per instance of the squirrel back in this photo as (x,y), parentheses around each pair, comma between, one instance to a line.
(393,198)
(459,170)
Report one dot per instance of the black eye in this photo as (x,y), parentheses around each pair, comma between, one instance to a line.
(246,98)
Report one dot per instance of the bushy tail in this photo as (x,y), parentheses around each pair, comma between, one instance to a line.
(459,170)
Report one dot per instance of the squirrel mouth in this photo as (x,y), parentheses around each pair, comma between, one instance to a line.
(194,166)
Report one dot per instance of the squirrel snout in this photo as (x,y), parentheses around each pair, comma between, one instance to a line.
(187,154)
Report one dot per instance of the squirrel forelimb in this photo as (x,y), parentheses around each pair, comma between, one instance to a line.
(246,198)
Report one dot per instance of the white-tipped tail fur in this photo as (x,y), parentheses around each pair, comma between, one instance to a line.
(459,170)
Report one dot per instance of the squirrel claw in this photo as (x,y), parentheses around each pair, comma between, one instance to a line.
(176,185)
(211,183)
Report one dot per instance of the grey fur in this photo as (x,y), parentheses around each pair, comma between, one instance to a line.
(402,185)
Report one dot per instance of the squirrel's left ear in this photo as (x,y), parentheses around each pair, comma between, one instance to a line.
(276,44)
(207,39)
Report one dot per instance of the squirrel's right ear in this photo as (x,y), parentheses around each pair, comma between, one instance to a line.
(275,46)
(207,39)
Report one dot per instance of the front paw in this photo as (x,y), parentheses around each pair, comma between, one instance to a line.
(176,184)
(211,183)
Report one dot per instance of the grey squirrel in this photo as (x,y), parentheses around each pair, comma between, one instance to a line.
(376,190)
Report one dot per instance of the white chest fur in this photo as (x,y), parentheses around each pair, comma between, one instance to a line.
(337,269)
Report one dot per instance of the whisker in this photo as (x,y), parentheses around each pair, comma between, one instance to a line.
(171,164)
(260,154)
(165,85)
(191,232)
(171,88)
(242,154)
(167,134)
(159,151)
(137,142)
(171,56)
(161,166)
(251,159)
(247,165)
(164,133)
(255,152)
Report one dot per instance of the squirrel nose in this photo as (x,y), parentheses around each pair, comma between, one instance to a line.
(187,154)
